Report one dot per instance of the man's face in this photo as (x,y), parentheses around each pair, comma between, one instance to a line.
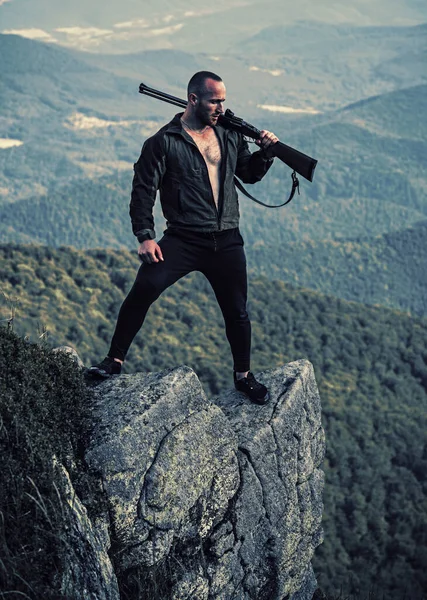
(211,104)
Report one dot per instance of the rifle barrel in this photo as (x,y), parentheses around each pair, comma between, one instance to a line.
(144,89)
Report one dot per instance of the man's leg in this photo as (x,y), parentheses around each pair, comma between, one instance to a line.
(179,259)
(227,275)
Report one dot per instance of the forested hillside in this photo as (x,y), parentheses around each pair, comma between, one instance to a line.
(370,364)
(374,268)
(386,269)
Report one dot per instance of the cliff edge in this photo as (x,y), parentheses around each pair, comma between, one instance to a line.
(202,499)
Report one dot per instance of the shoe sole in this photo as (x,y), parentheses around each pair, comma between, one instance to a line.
(260,402)
(98,373)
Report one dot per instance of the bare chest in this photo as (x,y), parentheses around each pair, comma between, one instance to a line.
(209,147)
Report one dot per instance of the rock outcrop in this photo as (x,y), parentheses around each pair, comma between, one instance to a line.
(221,498)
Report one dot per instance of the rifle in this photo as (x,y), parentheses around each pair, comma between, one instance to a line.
(299,162)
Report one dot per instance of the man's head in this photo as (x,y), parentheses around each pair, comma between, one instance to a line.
(206,95)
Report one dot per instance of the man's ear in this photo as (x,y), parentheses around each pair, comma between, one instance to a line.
(193,98)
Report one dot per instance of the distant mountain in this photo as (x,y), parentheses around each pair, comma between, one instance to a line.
(396,68)
(86,213)
(21,56)
(327,66)
(395,115)
(311,38)
(371,177)
(153,67)
(38,75)
(127,26)
(387,270)
(66,113)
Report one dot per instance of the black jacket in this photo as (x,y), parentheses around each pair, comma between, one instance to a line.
(171,162)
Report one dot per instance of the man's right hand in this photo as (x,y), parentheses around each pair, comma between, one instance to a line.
(150,252)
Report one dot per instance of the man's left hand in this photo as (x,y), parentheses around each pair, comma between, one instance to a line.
(266,142)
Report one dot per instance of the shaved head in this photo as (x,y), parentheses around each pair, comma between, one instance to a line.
(197,84)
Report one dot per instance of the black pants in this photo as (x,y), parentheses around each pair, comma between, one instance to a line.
(221,258)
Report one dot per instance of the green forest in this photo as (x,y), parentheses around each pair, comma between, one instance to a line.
(370,365)
(371,265)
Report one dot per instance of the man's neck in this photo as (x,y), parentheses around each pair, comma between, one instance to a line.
(192,123)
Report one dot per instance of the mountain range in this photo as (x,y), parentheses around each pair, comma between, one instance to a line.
(129,26)
(82,125)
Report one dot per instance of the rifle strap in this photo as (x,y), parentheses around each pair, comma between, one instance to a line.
(295,186)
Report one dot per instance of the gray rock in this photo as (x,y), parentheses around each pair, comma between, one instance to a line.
(307,588)
(191,587)
(226,494)
(278,508)
(71,353)
(167,458)
(88,573)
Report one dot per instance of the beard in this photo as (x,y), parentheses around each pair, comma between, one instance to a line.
(204,116)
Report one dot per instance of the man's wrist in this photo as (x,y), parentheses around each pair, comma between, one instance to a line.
(145,234)
(266,157)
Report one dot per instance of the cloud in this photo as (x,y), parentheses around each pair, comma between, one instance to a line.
(166,30)
(82,32)
(137,24)
(202,13)
(274,72)
(84,37)
(32,34)
(144,24)
(288,109)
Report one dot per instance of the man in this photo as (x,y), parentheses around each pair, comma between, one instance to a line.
(192,161)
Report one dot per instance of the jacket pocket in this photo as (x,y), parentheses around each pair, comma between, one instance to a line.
(170,196)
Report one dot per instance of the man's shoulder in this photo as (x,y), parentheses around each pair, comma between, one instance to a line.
(170,127)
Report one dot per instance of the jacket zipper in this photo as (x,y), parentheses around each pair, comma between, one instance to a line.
(223,172)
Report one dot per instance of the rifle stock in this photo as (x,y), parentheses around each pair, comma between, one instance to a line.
(301,163)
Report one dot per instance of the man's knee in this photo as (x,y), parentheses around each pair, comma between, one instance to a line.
(236,315)
(145,290)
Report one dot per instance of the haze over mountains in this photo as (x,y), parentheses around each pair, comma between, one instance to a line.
(131,26)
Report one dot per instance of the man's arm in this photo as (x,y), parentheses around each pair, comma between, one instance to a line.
(251,167)
(148,173)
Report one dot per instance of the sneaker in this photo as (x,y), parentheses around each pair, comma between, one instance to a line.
(106,368)
(255,391)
